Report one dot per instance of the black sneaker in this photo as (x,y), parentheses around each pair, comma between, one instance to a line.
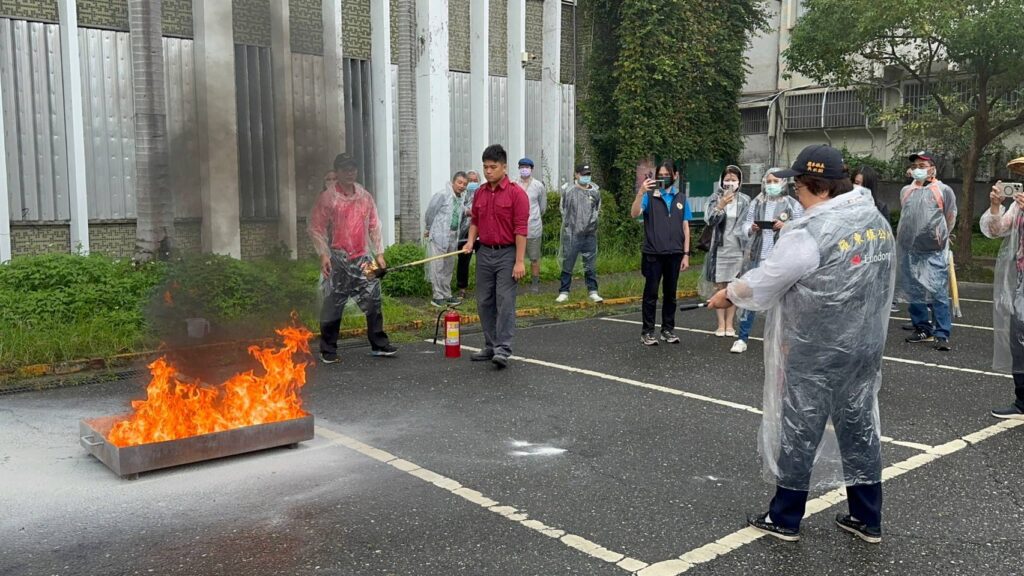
(388,350)
(669,336)
(859,529)
(920,336)
(453,301)
(482,356)
(942,345)
(437,303)
(329,358)
(1009,413)
(648,339)
(500,360)
(758,522)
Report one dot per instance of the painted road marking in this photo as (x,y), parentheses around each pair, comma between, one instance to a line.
(673,391)
(742,537)
(973,300)
(889,358)
(511,513)
(955,325)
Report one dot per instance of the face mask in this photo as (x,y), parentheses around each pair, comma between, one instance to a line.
(667,181)
(730,185)
(472,186)
(773,189)
(585,180)
(920,174)
(525,173)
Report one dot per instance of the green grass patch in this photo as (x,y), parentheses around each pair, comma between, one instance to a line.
(985,247)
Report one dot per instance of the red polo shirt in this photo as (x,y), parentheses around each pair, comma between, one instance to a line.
(500,213)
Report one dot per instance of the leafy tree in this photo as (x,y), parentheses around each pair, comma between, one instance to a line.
(665,76)
(967,55)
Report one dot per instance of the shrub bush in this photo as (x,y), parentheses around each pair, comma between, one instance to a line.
(410,281)
(54,289)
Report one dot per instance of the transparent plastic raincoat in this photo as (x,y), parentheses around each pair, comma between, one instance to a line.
(444,219)
(922,243)
(1007,289)
(347,230)
(580,208)
(827,287)
(724,262)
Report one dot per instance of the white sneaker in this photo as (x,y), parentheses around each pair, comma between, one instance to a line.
(738,347)
(562,297)
(595,298)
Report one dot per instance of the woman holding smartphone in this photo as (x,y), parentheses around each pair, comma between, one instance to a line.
(769,211)
(724,214)
(666,249)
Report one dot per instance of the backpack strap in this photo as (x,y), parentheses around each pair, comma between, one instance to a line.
(936,193)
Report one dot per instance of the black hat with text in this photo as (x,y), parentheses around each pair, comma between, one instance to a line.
(818,160)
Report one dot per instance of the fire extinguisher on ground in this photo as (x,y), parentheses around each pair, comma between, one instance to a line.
(452,332)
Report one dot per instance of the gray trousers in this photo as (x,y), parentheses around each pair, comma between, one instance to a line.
(496,297)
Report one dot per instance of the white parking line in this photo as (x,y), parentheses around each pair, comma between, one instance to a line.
(737,539)
(519,516)
(674,391)
(955,325)
(889,358)
(973,300)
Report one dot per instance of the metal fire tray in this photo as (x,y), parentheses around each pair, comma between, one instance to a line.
(129,461)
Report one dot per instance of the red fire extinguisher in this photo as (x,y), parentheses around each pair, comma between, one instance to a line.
(452,329)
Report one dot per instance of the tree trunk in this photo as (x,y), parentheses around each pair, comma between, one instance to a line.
(965,212)
(409,207)
(154,205)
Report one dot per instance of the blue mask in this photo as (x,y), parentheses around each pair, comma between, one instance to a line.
(585,180)
(919,174)
(473,186)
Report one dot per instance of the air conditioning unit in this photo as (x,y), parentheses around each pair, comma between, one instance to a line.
(752,173)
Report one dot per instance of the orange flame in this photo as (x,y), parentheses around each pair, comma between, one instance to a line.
(168,298)
(176,409)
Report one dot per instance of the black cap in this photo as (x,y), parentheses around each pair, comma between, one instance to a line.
(583,169)
(817,160)
(922,155)
(342,161)
(526,162)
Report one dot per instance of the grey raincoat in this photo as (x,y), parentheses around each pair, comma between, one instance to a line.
(1008,289)
(580,209)
(724,262)
(827,287)
(444,221)
(922,243)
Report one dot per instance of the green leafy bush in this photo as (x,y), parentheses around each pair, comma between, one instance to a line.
(410,281)
(53,289)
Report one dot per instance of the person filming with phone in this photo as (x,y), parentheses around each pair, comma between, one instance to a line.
(1008,287)
(666,248)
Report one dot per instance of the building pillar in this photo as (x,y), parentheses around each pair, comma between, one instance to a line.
(334,80)
(433,99)
(551,95)
(74,122)
(479,78)
(284,120)
(383,118)
(5,210)
(516,80)
(218,126)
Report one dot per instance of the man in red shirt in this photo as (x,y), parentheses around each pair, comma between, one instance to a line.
(501,211)
(346,233)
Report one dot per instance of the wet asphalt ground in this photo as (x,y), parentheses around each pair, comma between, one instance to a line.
(426,465)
